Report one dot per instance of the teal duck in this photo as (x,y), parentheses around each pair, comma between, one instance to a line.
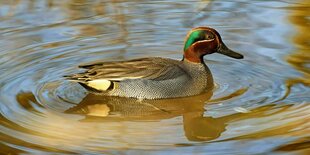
(155,77)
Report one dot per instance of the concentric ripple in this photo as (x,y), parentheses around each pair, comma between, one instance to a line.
(261,99)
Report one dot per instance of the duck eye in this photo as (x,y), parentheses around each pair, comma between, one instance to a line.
(209,36)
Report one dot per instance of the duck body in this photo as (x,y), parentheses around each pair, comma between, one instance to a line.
(147,78)
(157,78)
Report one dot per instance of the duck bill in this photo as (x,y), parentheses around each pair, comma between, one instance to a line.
(223,49)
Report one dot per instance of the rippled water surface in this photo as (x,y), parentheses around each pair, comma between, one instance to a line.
(260,104)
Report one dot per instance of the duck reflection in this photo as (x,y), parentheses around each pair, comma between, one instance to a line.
(196,126)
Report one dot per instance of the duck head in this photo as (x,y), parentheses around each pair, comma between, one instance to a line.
(201,41)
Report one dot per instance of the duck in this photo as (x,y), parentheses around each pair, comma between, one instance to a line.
(157,77)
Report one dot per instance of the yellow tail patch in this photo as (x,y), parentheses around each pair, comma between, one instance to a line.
(99,84)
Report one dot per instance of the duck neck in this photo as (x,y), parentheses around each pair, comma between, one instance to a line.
(192,56)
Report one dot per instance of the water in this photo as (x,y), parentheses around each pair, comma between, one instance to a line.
(260,104)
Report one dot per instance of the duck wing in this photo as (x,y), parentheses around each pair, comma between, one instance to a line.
(105,75)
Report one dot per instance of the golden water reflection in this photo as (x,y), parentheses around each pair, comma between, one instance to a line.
(299,16)
(300,58)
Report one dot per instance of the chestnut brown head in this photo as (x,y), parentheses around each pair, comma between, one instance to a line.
(201,41)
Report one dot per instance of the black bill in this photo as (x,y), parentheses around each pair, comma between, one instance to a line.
(223,49)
